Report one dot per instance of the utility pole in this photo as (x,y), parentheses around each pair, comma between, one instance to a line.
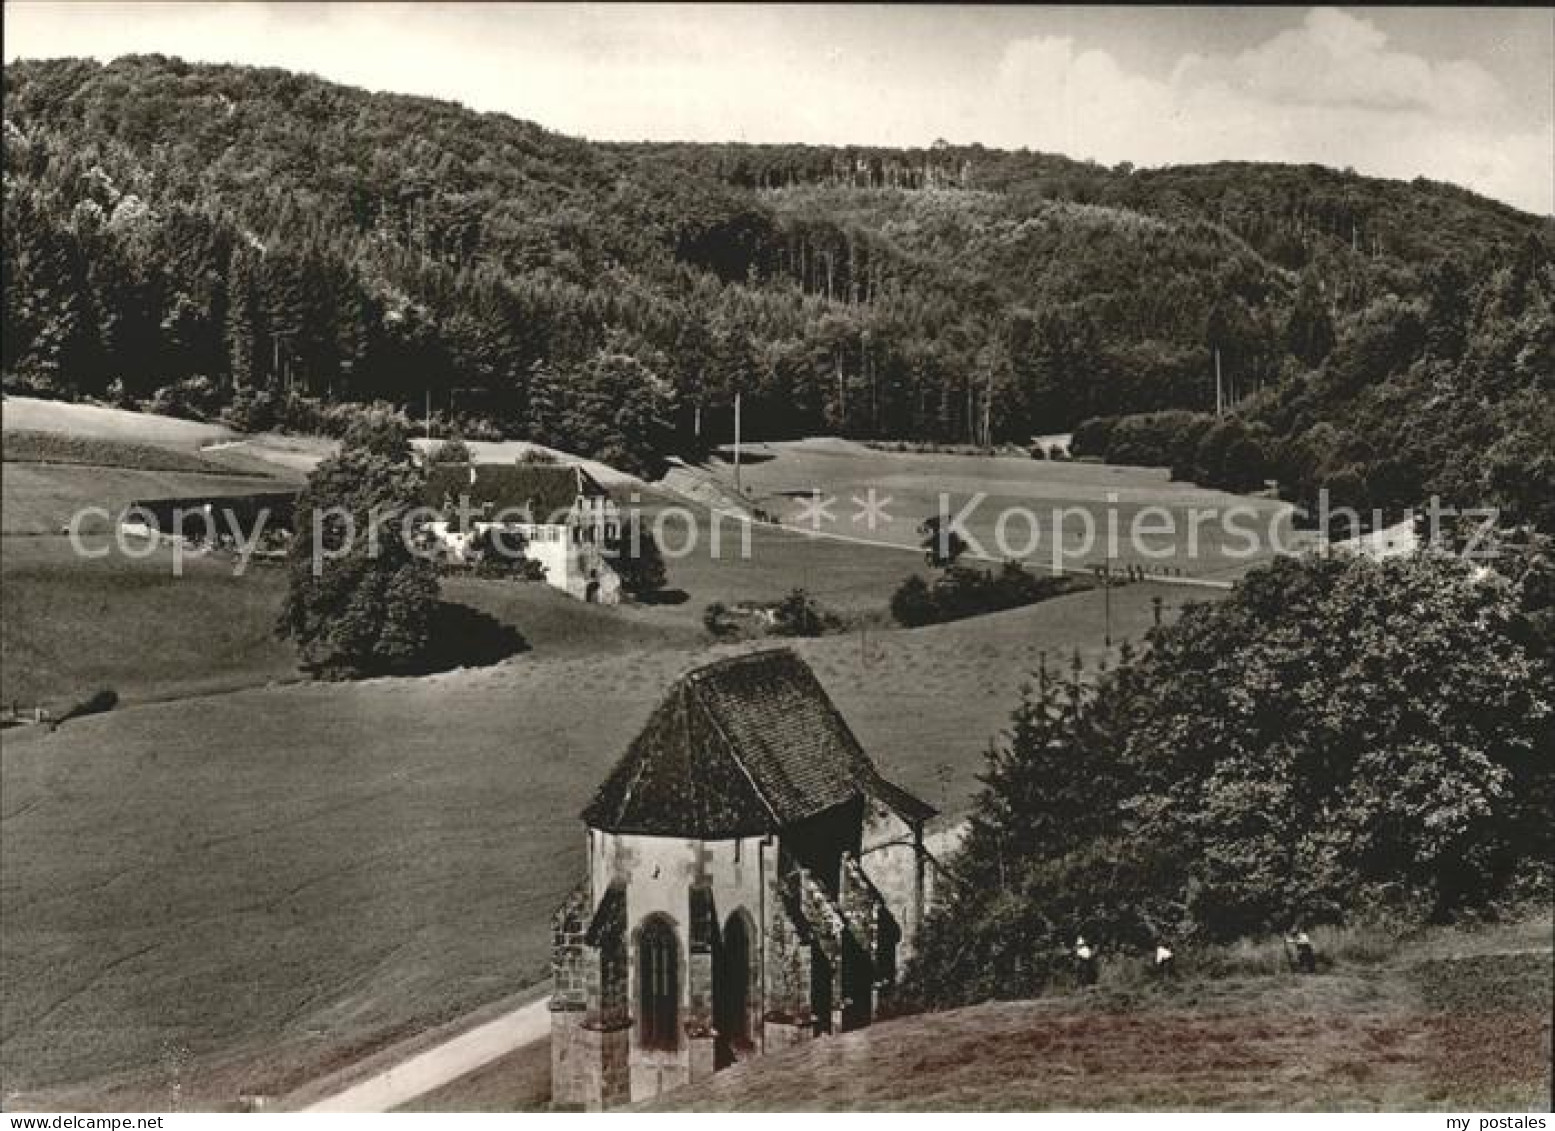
(988,410)
(842,393)
(1106,590)
(739,489)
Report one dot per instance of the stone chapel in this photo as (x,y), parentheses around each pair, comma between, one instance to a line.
(752,882)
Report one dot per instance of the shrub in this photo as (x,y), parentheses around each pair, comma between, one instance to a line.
(1092,436)
(941,547)
(913,603)
(964,592)
(194,398)
(253,410)
(499,554)
(715,618)
(118,394)
(637,560)
(381,432)
(454,450)
(799,614)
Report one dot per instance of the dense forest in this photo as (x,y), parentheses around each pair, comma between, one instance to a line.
(259,244)
(1340,741)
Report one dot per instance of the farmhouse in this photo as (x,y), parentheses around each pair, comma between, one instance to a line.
(752,882)
(565,518)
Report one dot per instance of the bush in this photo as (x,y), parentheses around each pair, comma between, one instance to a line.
(962,592)
(913,603)
(382,432)
(449,451)
(253,410)
(715,618)
(636,558)
(118,394)
(799,614)
(1092,436)
(499,554)
(194,398)
(941,547)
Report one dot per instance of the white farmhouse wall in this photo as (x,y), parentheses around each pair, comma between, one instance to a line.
(571,553)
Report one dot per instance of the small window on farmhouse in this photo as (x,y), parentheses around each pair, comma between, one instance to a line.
(658,985)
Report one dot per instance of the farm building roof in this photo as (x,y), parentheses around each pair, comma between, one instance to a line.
(547,491)
(747,745)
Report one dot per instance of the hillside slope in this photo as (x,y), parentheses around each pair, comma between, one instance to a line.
(260,236)
(1453,1021)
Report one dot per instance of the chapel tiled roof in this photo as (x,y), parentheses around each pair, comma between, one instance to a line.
(546,490)
(747,745)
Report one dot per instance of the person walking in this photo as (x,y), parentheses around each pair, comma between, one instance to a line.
(1306,955)
(1084,962)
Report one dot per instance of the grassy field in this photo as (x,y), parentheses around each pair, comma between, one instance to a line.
(23,446)
(232,883)
(70,625)
(45,498)
(99,422)
(782,473)
(1452,1021)
(520,1081)
(252,887)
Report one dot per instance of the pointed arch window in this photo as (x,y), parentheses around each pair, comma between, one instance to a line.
(658,985)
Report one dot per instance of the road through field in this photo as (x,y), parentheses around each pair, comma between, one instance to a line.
(442,1064)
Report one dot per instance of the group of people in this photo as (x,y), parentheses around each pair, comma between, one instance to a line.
(1086,968)
(1164,962)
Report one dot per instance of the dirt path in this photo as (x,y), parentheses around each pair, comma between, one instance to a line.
(442,1064)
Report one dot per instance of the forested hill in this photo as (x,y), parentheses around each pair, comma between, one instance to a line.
(249,240)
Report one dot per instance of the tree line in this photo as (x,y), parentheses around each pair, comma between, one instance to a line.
(1450,394)
(261,244)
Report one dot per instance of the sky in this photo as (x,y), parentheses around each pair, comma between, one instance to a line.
(1461,95)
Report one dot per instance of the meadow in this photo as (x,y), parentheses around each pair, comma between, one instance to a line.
(1451,1019)
(100,422)
(252,887)
(72,625)
(1067,498)
(25,446)
(238,880)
